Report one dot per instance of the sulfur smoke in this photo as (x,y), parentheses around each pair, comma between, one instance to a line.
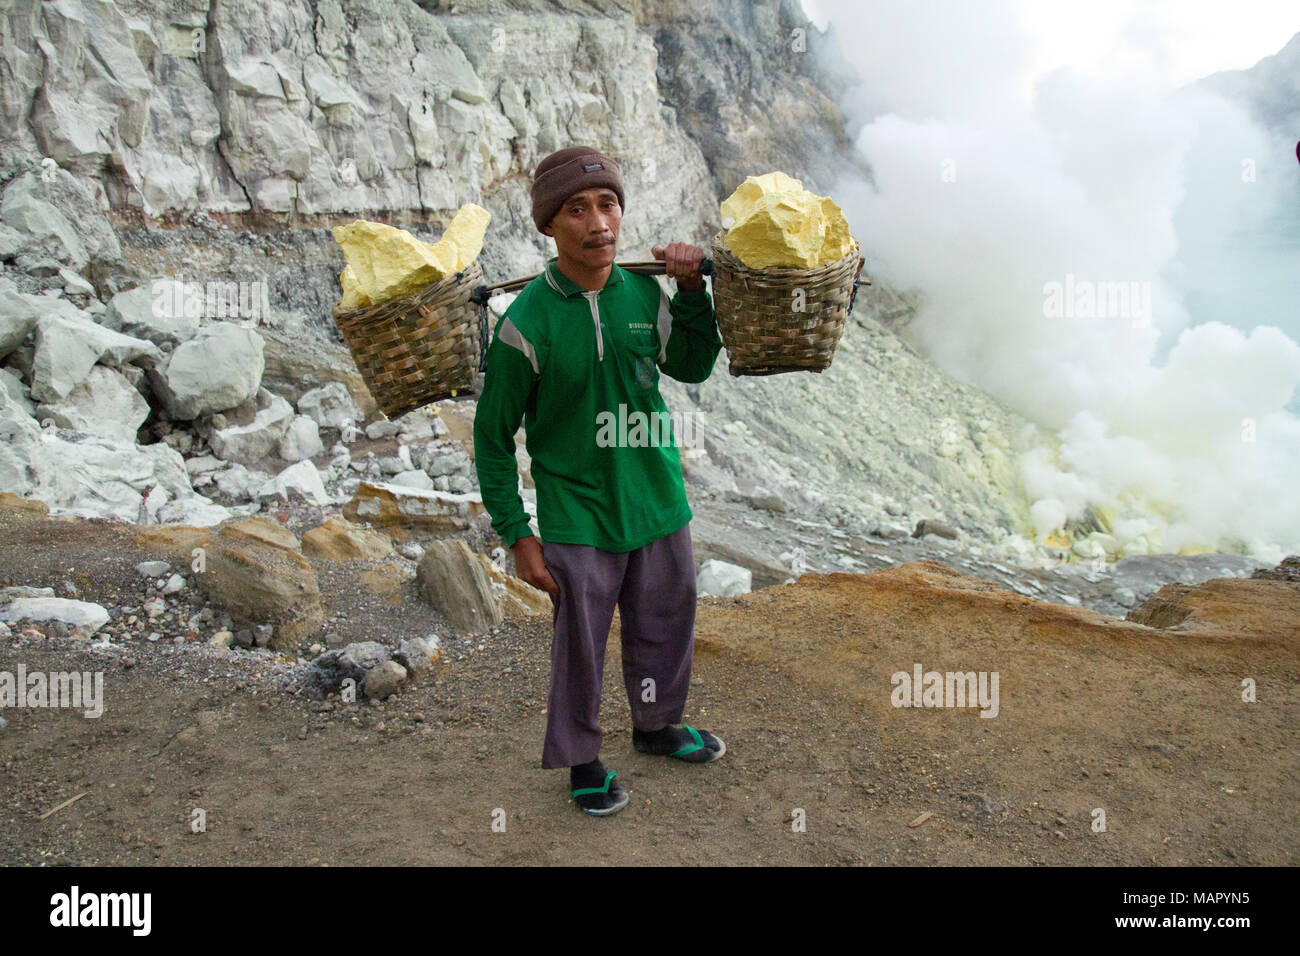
(1119,263)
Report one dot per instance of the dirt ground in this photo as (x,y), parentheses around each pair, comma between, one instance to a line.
(1145,725)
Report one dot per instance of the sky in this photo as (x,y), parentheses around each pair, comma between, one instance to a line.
(1165,41)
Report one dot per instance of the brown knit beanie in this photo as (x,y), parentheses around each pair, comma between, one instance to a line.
(570,171)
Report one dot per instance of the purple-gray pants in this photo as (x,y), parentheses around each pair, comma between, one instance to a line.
(654,588)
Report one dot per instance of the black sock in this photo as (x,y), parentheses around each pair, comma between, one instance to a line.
(663,741)
(586,775)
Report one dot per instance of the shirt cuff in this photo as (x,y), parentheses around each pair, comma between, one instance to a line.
(516,531)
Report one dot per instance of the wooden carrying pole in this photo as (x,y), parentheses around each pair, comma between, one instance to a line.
(648,267)
(651,267)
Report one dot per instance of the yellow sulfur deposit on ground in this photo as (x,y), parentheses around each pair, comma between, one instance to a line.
(774,221)
(385,262)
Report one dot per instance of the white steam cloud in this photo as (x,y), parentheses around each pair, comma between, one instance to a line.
(1078,240)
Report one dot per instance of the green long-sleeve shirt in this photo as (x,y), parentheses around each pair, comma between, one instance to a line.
(576,367)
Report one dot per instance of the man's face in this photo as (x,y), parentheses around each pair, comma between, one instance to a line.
(586,227)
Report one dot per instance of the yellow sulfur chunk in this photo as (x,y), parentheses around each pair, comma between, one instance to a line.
(385,262)
(837,242)
(776,222)
(740,204)
(353,297)
(389,262)
(466,233)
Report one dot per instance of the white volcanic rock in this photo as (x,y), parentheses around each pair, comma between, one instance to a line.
(249,444)
(69,346)
(84,616)
(330,406)
(301,479)
(17,316)
(150,312)
(721,579)
(301,440)
(219,368)
(105,404)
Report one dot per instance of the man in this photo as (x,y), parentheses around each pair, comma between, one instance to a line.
(582,343)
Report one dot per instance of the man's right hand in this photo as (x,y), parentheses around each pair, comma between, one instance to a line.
(530,566)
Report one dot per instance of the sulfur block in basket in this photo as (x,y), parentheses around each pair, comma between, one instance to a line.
(774,221)
(385,262)
(353,297)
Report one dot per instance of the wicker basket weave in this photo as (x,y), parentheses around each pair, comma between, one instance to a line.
(419,348)
(756,313)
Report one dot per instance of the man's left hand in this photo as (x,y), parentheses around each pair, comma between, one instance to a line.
(682,262)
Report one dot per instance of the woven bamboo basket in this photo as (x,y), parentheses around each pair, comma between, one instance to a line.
(756,309)
(419,348)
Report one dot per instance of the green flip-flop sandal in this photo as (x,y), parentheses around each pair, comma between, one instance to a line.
(699,752)
(601,801)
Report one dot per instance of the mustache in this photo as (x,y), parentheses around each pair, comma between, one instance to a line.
(597,243)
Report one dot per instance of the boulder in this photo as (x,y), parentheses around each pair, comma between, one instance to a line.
(24,591)
(416,426)
(42,225)
(262,530)
(330,406)
(20,437)
(202,465)
(44,206)
(395,464)
(88,475)
(384,680)
(105,404)
(301,440)
(69,345)
(517,597)
(256,583)
(18,392)
(218,369)
(720,579)
(381,429)
(250,443)
(237,481)
(74,284)
(385,505)
(451,580)
(12,242)
(17,316)
(413,479)
(418,654)
(443,459)
(340,540)
(930,526)
(302,479)
(149,312)
(83,616)
(367,653)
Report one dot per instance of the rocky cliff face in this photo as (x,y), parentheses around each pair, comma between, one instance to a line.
(219,141)
(303,113)
(1271,88)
